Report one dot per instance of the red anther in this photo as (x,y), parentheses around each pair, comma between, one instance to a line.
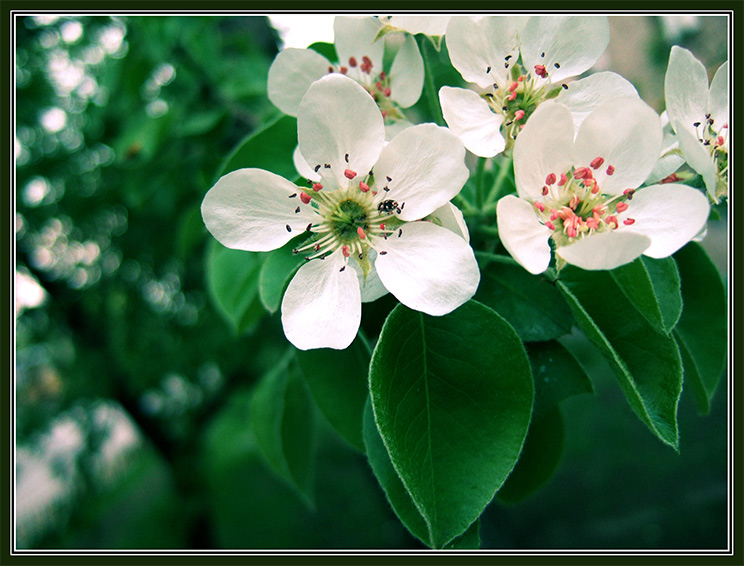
(512,96)
(629,193)
(366,60)
(374,193)
(720,140)
(316,247)
(612,219)
(540,71)
(571,232)
(346,250)
(387,91)
(597,162)
(344,70)
(599,210)
(330,69)
(539,206)
(519,114)
(304,197)
(317,187)
(592,223)
(349,174)
(366,65)
(545,191)
(513,87)
(565,213)
(583,173)
(520,78)
(670,179)
(610,169)
(378,84)
(595,188)
(364,187)
(361,233)
(382,75)
(574,202)
(550,225)
(550,179)
(384,113)
(562,180)
(352,62)
(521,126)
(629,221)
(382,227)
(553,214)
(621,207)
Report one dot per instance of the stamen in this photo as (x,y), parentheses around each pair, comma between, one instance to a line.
(512,96)
(346,250)
(545,191)
(539,206)
(289,228)
(621,207)
(305,198)
(488,69)
(317,187)
(562,180)
(597,162)
(565,86)
(540,71)
(352,62)
(583,173)
(519,114)
(550,179)
(610,170)
(629,193)
(629,221)
(361,233)
(349,174)
(297,210)
(317,167)
(513,86)
(346,157)
(307,228)
(293,195)
(363,186)
(557,65)
(344,70)
(574,202)
(550,225)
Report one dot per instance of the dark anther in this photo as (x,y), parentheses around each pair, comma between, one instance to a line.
(361,255)
(506,65)
(344,267)
(706,142)
(293,195)
(557,65)
(308,227)
(696,124)
(509,123)
(316,168)
(488,70)
(542,54)
(289,228)
(507,57)
(386,188)
(322,256)
(495,86)
(297,210)
(505,108)
(565,86)
(402,205)
(400,232)
(710,121)
(295,251)
(383,252)
(346,158)
(489,94)
(327,165)
(388,178)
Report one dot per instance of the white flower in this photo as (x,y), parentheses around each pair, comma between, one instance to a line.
(429,25)
(362,221)
(361,58)
(516,62)
(580,192)
(700,117)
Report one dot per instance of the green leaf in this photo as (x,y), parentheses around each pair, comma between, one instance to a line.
(269,148)
(386,475)
(539,459)
(645,361)
(701,331)
(452,399)
(467,540)
(276,273)
(284,425)
(531,304)
(652,287)
(557,375)
(232,282)
(327,50)
(337,380)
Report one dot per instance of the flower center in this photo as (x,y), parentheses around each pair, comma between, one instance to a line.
(573,206)
(377,84)
(353,219)
(713,137)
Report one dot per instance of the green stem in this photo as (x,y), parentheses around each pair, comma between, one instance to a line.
(496,257)
(479,181)
(364,340)
(429,88)
(497,189)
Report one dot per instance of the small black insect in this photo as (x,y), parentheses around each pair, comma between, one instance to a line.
(388,206)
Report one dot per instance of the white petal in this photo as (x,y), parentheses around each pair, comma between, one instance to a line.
(429,25)
(668,162)
(250,209)
(522,234)
(697,157)
(407,74)
(670,215)
(428,268)
(718,98)
(471,119)
(606,250)
(584,95)
(355,37)
(478,46)
(302,166)
(322,307)
(426,165)
(685,89)
(627,134)
(392,129)
(371,287)
(450,217)
(574,43)
(338,117)
(291,74)
(544,146)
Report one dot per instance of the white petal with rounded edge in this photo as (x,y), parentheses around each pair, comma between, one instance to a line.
(322,306)
(291,74)
(450,217)
(627,133)
(337,116)
(606,250)
(354,36)
(718,98)
(426,165)
(685,89)
(470,118)
(544,146)
(570,44)
(670,215)
(407,74)
(429,25)
(429,269)
(478,46)
(302,167)
(250,209)
(697,157)
(371,288)
(522,234)
(668,163)
(584,95)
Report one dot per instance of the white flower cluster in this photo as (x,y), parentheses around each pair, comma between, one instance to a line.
(376,215)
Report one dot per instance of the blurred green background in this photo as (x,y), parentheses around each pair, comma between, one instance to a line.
(132,392)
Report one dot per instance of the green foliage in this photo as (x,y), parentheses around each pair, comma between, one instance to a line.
(452,413)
